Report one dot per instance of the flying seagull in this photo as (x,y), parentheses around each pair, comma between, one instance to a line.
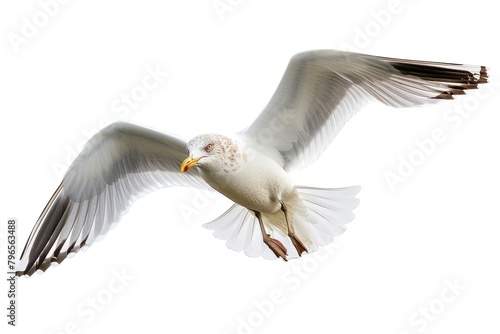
(271,217)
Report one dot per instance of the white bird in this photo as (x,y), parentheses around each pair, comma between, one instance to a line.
(319,92)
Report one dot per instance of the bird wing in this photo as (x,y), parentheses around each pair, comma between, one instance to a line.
(321,90)
(119,164)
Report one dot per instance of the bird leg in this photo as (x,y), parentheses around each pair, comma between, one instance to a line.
(275,245)
(297,243)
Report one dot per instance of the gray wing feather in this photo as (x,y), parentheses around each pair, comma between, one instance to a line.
(321,90)
(119,164)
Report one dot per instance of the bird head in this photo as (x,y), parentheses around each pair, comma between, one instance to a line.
(210,151)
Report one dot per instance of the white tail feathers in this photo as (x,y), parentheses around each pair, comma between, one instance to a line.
(319,215)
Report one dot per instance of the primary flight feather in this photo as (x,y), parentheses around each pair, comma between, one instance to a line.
(271,216)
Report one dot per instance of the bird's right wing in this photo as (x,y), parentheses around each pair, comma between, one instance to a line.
(321,90)
(119,164)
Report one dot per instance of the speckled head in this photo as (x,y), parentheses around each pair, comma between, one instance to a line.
(212,152)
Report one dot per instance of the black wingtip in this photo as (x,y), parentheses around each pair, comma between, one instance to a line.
(455,78)
(44,234)
(483,75)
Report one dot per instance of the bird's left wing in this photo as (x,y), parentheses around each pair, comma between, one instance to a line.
(321,90)
(119,164)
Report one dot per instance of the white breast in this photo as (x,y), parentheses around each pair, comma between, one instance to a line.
(256,182)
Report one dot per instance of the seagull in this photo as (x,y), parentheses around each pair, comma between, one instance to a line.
(271,216)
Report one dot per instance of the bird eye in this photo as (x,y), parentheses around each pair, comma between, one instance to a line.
(209,147)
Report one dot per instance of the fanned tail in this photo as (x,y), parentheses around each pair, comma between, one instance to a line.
(239,227)
(319,215)
(328,212)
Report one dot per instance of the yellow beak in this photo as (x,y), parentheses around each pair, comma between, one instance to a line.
(188,163)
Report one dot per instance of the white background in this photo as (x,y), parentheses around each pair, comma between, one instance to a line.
(441,225)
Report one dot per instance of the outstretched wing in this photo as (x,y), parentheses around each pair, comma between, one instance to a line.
(119,164)
(321,90)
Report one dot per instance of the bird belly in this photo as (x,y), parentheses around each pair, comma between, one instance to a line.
(258,186)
